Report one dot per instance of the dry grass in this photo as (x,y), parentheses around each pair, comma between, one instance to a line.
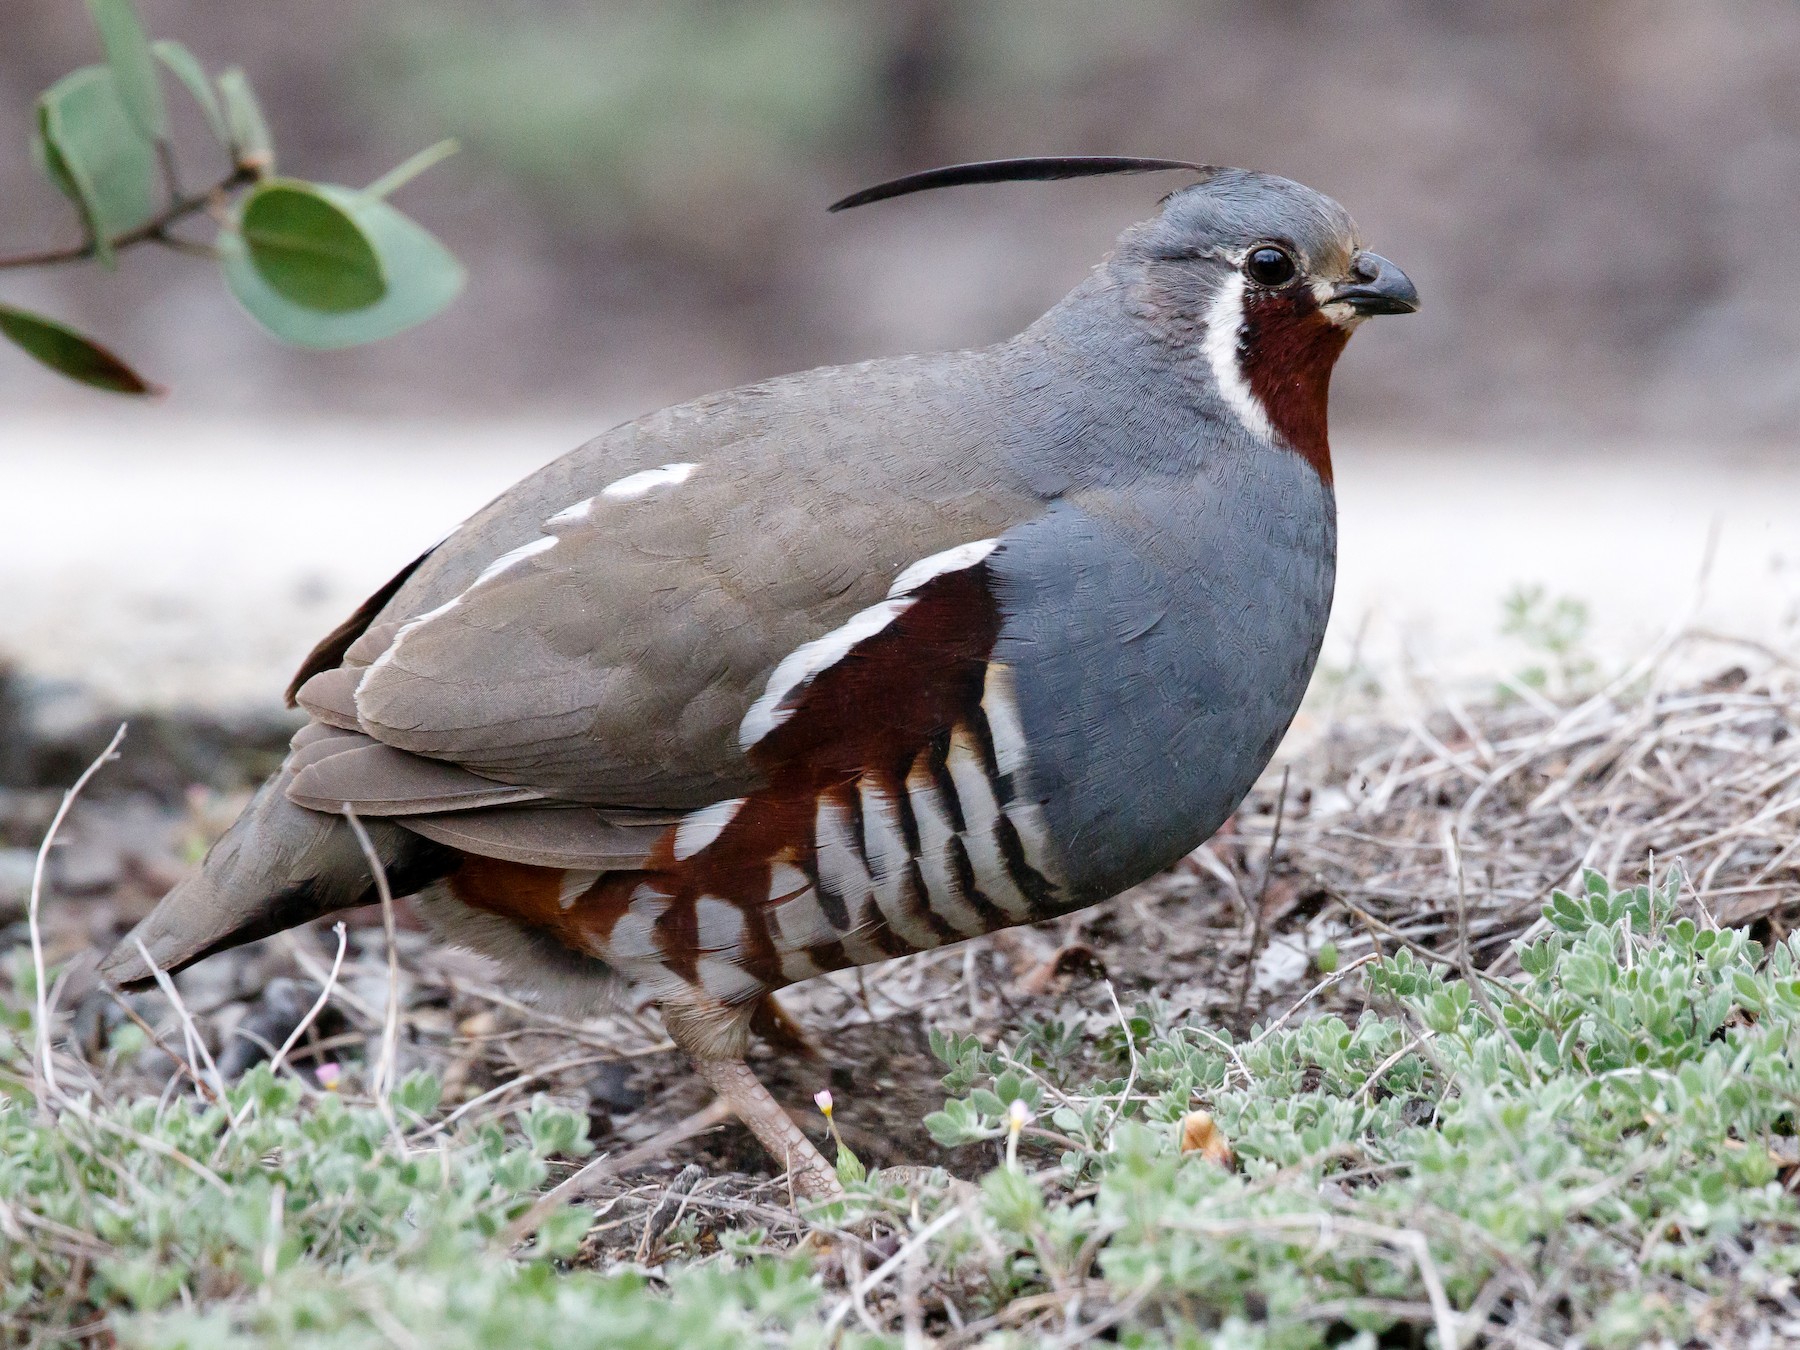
(1443,831)
(1417,829)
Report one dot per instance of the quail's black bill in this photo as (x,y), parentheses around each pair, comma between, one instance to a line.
(1043,169)
(1380,288)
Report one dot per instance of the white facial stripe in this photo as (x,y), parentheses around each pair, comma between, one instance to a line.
(799,666)
(699,828)
(950,560)
(518,555)
(647,480)
(570,514)
(1224,325)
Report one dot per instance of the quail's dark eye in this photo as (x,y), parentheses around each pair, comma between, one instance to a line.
(1269,266)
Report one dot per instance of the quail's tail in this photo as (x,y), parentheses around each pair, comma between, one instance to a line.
(278,866)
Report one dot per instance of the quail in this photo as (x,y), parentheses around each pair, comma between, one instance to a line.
(845,665)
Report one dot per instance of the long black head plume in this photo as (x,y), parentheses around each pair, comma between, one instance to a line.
(1038,170)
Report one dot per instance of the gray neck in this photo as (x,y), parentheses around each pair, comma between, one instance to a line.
(1113,385)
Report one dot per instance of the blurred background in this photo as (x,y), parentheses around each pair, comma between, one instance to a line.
(1598,202)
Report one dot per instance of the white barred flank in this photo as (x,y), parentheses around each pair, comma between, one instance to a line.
(943,891)
(726,981)
(698,829)
(844,874)
(981,817)
(1001,708)
(890,868)
(574,885)
(799,667)
(799,923)
(633,937)
(1034,837)
(718,925)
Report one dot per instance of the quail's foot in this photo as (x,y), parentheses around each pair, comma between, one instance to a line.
(751,1102)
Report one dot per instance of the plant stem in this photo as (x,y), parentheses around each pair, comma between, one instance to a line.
(155,230)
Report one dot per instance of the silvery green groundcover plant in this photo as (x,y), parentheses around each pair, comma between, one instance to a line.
(1599,1147)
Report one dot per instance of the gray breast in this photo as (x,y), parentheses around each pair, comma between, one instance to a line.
(1161,636)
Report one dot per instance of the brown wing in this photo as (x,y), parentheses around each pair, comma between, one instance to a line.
(873,836)
(607,650)
(331,648)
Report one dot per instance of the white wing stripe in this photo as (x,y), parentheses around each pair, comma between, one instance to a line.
(950,560)
(799,666)
(647,480)
(513,558)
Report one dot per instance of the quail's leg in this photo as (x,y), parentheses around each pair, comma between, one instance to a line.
(781,1032)
(750,1101)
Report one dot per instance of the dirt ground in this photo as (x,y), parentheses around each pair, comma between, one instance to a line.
(1447,829)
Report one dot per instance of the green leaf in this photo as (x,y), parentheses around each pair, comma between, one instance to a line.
(309,249)
(559,1236)
(946,1129)
(69,353)
(850,1169)
(50,163)
(419,1092)
(422,278)
(93,151)
(133,68)
(246,128)
(186,67)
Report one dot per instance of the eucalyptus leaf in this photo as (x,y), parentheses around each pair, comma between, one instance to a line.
(309,249)
(92,150)
(50,163)
(186,67)
(422,278)
(246,127)
(69,353)
(134,69)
